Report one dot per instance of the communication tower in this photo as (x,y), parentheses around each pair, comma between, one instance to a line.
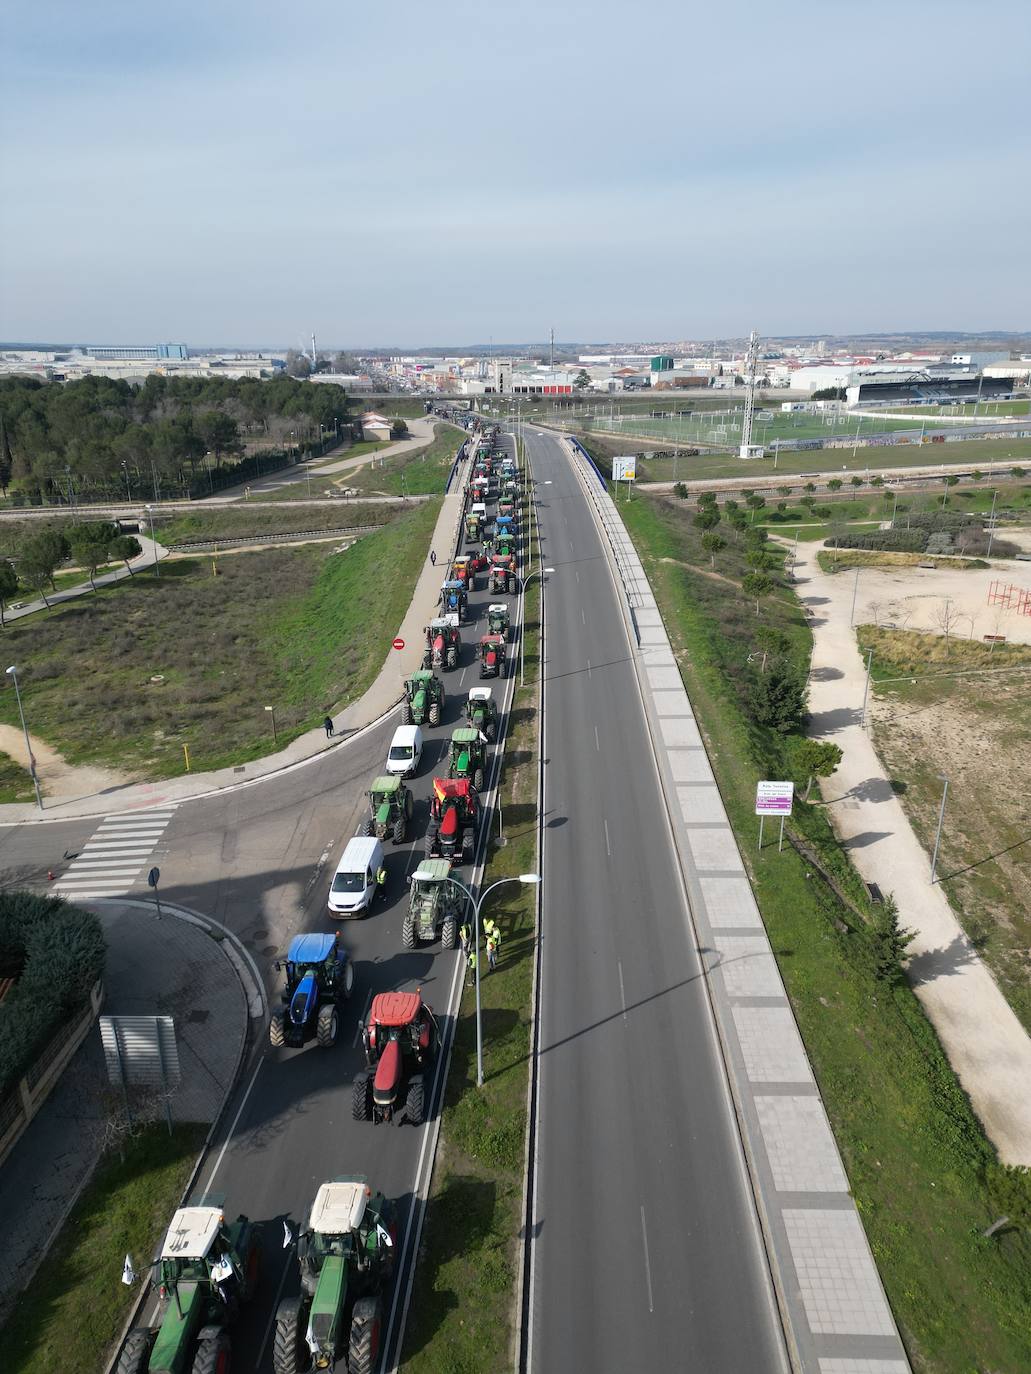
(748,449)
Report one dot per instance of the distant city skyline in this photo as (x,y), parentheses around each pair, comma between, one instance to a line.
(675,172)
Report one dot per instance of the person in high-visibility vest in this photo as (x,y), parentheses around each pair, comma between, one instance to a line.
(465,936)
(492,953)
(489,928)
(381,881)
(470,968)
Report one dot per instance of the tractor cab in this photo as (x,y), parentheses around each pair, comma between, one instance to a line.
(463,571)
(454,821)
(498,618)
(319,975)
(400,1039)
(493,661)
(455,599)
(473,527)
(504,526)
(505,546)
(434,906)
(480,509)
(443,642)
(468,756)
(481,711)
(390,808)
(423,700)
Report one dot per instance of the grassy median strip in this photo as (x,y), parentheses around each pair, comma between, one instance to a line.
(922,1173)
(463,1307)
(131,673)
(417,472)
(74,1309)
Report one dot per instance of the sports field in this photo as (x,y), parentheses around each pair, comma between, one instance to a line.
(768,426)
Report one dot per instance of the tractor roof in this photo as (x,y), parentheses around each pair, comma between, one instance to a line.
(339,1207)
(460,560)
(429,871)
(493,640)
(311,948)
(423,675)
(191,1233)
(452,584)
(439,622)
(399,1009)
(388,783)
(450,787)
(464,736)
(479,694)
(497,607)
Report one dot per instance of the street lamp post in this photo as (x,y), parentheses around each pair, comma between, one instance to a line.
(477,906)
(12,673)
(938,834)
(539,572)
(150,514)
(272,712)
(991,524)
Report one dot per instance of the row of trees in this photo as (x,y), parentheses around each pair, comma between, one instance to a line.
(42,552)
(101,438)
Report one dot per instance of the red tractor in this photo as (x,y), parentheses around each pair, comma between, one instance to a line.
(400,1041)
(503,573)
(493,662)
(462,570)
(454,821)
(443,643)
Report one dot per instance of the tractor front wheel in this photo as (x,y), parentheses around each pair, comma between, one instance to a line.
(427,845)
(363,1347)
(399,830)
(348,978)
(409,805)
(408,933)
(328,1025)
(276,1032)
(449,933)
(361,1097)
(415,1106)
(135,1354)
(212,1355)
(435,714)
(369,829)
(289,1348)
(511,585)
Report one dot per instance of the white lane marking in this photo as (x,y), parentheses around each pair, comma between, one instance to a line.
(597,741)
(608,847)
(462,678)
(364,1016)
(582,616)
(96,892)
(232,1128)
(647,1262)
(128,832)
(622,990)
(577,576)
(570,546)
(122,846)
(589,673)
(275,1302)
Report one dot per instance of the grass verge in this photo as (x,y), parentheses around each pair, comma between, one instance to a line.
(417,472)
(464,1301)
(924,1177)
(238,522)
(303,629)
(15,783)
(75,1308)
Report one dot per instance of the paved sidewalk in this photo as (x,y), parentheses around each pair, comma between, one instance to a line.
(987,1046)
(171,967)
(384,693)
(832,1303)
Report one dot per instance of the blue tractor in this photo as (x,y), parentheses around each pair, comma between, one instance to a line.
(319,976)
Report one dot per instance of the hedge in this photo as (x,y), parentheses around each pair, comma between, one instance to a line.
(55,952)
(896,541)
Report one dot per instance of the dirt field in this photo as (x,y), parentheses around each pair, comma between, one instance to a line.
(976,731)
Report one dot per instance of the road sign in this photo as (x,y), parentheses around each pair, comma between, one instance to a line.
(153,877)
(140,1051)
(399,643)
(624,469)
(774,798)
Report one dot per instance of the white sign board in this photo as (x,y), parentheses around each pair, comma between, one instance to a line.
(774,798)
(624,469)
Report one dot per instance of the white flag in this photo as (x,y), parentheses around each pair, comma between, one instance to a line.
(384,1236)
(288,1236)
(128,1272)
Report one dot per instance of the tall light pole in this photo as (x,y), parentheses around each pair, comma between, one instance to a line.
(522,629)
(991,524)
(477,905)
(12,673)
(938,835)
(128,488)
(150,513)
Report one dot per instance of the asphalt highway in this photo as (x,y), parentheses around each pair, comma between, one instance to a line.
(260,860)
(645,1248)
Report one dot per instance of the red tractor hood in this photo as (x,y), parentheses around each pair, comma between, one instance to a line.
(388,1074)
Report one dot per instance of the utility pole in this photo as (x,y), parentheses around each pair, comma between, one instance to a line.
(553,350)
(751,368)
(991,524)
(938,835)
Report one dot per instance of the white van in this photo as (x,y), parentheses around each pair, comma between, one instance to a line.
(354,882)
(405,751)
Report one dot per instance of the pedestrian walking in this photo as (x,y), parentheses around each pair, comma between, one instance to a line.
(433,559)
(492,953)
(489,928)
(470,966)
(327,725)
(465,936)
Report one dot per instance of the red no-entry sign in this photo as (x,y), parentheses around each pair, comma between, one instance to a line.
(399,643)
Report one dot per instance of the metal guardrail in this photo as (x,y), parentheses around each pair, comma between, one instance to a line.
(202,545)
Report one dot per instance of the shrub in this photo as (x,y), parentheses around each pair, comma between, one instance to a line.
(778,700)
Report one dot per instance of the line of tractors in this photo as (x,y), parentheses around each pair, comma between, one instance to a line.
(206,1268)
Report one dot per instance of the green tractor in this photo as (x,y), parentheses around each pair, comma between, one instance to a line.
(481,711)
(468,756)
(434,907)
(473,527)
(390,809)
(424,699)
(346,1258)
(499,620)
(204,1272)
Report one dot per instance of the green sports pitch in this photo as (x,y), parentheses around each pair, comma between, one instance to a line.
(723,428)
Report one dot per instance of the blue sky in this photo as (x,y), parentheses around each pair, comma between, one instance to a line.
(237,171)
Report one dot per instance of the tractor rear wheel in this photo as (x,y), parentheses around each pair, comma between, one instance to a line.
(289,1348)
(276,1033)
(468,845)
(212,1355)
(348,978)
(135,1354)
(363,1347)
(449,933)
(478,779)
(435,713)
(328,1025)
(408,933)
(415,1105)
(511,585)
(361,1097)
(409,805)
(399,830)
(427,844)
(406,712)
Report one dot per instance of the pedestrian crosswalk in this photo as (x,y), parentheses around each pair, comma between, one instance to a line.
(115,856)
